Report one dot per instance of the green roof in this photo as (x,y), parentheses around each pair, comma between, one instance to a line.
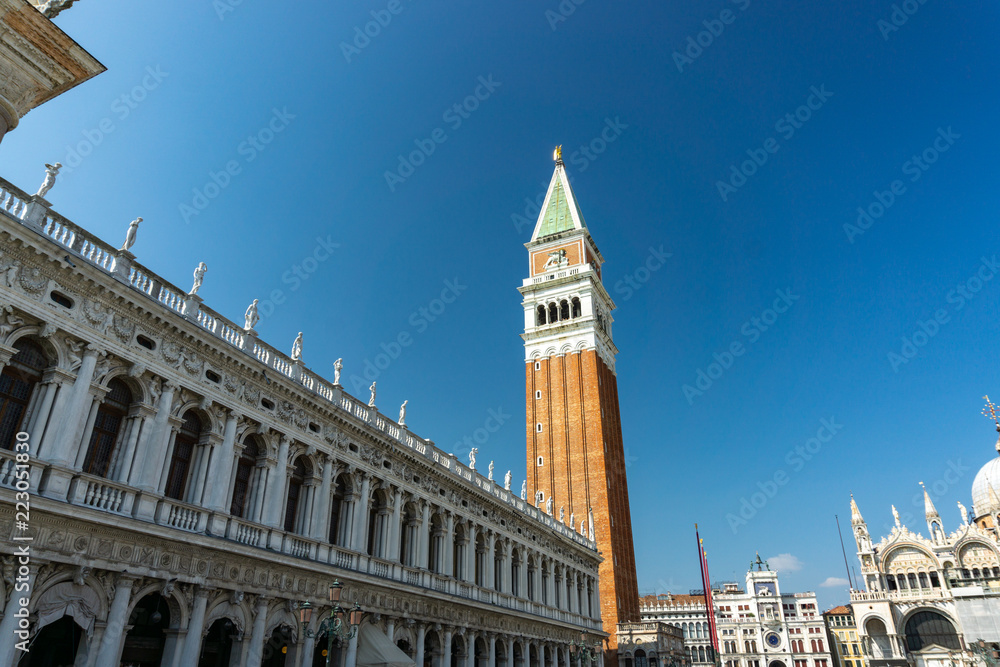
(557,216)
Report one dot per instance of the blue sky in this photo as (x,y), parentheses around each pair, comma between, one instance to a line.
(308,130)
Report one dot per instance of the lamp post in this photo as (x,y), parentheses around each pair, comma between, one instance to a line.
(579,650)
(984,651)
(334,625)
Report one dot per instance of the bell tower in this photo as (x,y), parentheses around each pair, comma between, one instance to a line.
(575,455)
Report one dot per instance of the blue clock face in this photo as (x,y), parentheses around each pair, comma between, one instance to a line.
(772,639)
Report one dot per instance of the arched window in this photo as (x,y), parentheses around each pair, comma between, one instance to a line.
(890,582)
(242,488)
(107,428)
(934,580)
(408,535)
(531,578)
(337,531)
(928,627)
(553,313)
(295,483)
(911,579)
(812,645)
(701,654)
(975,573)
(640,658)
(515,573)
(435,544)
(180,460)
(922,578)
(577,310)
(564,310)
(819,643)
(17,383)
(540,316)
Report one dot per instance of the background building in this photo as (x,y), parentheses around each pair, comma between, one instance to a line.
(190,485)
(758,627)
(575,455)
(842,633)
(927,599)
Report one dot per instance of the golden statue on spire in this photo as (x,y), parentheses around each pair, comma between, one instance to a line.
(557,154)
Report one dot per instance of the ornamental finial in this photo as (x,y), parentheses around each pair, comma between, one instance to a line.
(557,154)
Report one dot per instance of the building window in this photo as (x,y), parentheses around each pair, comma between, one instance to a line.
(538,394)
(540,461)
(295,483)
(180,459)
(540,316)
(538,365)
(577,310)
(538,427)
(17,384)
(107,428)
(244,477)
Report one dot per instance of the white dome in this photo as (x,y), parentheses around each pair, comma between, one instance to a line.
(989,475)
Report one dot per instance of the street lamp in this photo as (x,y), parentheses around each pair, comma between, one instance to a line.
(983,650)
(581,649)
(334,625)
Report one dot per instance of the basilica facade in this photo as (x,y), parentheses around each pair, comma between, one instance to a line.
(173,489)
(927,601)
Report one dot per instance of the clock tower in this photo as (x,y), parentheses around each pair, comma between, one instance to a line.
(575,455)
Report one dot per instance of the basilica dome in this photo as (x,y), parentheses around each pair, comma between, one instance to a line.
(988,475)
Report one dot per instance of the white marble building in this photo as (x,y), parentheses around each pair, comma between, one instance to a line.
(928,599)
(190,486)
(757,627)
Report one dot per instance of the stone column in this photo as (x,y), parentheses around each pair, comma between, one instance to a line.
(510,652)
(221,466)
(192,643)
(418,658)
(392,548)
(390,628)
(151,449)
(360,532)
(257,638)
(423,554)
(308,651)
(111,642)
(71,414)
(275,492)
(321,502)
(448,547)
(351,660)
(491,640)
(470,648)
(470,555)
(446,658)
(489,576)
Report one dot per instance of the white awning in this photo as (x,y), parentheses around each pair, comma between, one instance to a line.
(377,650)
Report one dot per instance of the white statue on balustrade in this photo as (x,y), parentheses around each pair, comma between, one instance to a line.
(251,318)
(548,506)
(402,413)
(506,480)
(524,490)
(297,348)
(199,276)
(50,179)
(133,230)
(338,366)
(562,515)
(472,458)
(491,471)
(371,401)
(572,519)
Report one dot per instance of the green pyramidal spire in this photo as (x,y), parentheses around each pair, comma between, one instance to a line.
(560,210)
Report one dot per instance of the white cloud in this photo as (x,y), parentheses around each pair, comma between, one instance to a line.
(784,563)
(835,582)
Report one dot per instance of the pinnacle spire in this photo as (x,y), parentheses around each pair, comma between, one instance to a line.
(560,210)
(929,510)
(856,517)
